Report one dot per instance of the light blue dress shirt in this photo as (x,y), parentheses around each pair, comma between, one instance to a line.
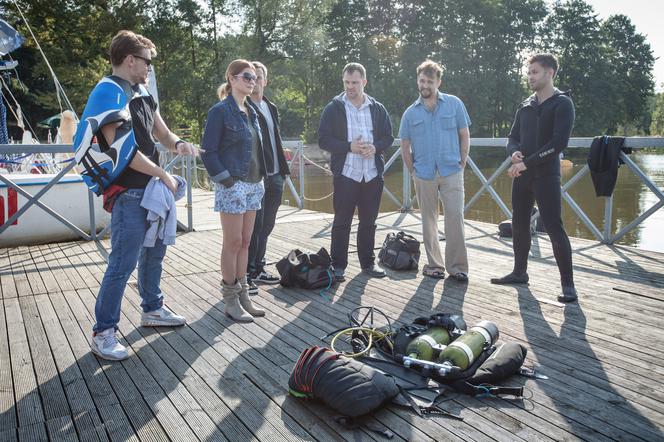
(434,135)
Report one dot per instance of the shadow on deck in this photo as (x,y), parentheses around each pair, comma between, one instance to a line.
(219,380)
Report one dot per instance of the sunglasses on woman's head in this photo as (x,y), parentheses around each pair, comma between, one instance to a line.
(247,76)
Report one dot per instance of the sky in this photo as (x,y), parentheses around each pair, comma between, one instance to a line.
(646,16)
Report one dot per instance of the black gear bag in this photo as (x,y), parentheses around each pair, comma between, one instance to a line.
(400,251)
(306,270)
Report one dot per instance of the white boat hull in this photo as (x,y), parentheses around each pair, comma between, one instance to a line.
(69,198)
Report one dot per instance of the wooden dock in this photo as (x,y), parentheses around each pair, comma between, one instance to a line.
(217,380)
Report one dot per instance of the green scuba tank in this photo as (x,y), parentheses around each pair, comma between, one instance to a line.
(467,347)
(425,345)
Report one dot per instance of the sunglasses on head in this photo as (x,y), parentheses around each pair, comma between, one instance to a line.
(247,76)
(146,60)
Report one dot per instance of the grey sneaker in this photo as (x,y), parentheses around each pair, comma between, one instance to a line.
(162,317)
(105,345)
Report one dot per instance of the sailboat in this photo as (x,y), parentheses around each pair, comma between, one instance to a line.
(31,167)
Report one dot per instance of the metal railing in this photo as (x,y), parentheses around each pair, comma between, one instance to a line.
(187,165)
(297,147)
(34,200)
(604,234)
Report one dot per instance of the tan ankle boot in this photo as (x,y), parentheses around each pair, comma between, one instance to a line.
(245,301)
(232,307)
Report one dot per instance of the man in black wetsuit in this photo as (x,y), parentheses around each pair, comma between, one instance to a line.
(541,130)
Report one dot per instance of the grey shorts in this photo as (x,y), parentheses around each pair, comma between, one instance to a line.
(238,198)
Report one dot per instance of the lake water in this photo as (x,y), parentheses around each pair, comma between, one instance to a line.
(631,196)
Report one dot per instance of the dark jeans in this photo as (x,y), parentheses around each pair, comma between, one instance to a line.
(349,194)
(527,189)
(265,217)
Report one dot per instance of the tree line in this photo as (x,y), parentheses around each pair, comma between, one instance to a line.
(482,44)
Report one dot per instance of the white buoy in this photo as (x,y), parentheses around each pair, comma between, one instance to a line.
(27,137)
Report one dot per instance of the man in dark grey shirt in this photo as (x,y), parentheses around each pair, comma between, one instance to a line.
(276,171)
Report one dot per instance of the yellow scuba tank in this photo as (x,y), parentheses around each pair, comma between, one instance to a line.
(426,345)
(467,347)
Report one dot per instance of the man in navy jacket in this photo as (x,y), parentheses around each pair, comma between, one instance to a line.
(356,130)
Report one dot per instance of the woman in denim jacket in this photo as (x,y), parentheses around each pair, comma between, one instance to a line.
(233,156)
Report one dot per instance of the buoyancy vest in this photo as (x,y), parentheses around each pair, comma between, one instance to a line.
(108,103)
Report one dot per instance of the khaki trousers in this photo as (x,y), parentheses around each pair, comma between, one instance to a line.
(451,192)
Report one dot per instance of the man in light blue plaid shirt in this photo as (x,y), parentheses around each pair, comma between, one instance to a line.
(356,129)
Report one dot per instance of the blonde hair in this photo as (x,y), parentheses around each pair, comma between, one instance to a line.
(234,68)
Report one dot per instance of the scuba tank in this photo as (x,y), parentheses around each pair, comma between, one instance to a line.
(466,348)
(426,345)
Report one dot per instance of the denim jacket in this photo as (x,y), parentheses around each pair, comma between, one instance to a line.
(226,144)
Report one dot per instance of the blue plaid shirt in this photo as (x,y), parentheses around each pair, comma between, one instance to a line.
(434,135)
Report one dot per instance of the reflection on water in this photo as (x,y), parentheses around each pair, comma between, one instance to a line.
(631,197)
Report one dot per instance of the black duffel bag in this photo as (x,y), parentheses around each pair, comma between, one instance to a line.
(306,270)
(400,251)
(536,225)
(505,361)
(349,387)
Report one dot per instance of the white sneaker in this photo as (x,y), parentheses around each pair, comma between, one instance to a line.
(162,317)
(105,345)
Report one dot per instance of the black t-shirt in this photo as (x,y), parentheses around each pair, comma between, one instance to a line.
(142,110)
(254,174)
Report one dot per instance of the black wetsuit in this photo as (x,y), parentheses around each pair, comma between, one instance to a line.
(540,132)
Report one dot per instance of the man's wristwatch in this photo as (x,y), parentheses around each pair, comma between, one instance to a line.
(178,142)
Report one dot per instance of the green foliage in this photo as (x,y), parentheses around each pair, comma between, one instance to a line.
(607,66)
(631,61)
(657,124)
(74,36)
(305,44)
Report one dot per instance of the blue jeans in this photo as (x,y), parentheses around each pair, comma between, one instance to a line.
(128,227)
(265,218)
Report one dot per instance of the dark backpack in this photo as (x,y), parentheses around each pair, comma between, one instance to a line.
(400,251)
(306,270)
(349,387)
(536,225)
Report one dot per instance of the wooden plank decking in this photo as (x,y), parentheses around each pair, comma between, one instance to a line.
(219,380)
